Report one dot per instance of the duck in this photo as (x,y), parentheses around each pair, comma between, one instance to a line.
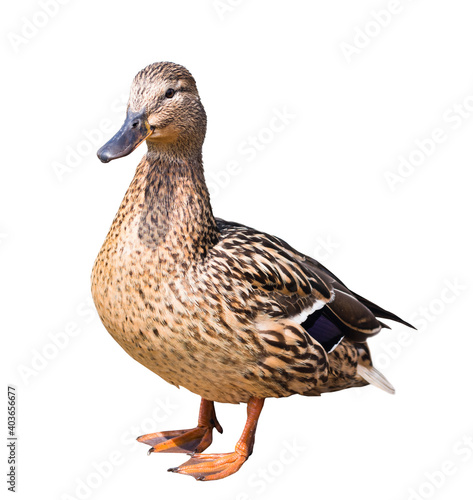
(231,313)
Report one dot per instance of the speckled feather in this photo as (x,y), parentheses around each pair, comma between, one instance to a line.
(215,306)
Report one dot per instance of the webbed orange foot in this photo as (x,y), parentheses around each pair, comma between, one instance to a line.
(213,466)
(186,440)
(209,467)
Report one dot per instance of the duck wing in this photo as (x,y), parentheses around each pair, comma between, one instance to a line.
(291,286)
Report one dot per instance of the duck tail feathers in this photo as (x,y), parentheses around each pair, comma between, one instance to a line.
(375,377)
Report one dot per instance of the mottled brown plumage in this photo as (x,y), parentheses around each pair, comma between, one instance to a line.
(232,314)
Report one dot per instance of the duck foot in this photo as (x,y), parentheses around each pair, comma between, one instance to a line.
(182,441)
(209,467)
(187,440)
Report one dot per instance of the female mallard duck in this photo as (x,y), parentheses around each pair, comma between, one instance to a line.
(232,314)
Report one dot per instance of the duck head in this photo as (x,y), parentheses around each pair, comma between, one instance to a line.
(164,109)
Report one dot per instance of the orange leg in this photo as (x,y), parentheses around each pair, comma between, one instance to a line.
(186,440)
(219,465)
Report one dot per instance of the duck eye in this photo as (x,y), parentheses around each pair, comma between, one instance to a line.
(170,93)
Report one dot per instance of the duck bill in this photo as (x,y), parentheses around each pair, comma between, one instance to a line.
(133,132)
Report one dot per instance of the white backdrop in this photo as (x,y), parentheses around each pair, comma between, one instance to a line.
(369,170)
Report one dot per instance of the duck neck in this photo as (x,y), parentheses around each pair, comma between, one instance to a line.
(177,215)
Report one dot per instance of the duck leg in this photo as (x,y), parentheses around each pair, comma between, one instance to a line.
(208,467)
(187,440)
